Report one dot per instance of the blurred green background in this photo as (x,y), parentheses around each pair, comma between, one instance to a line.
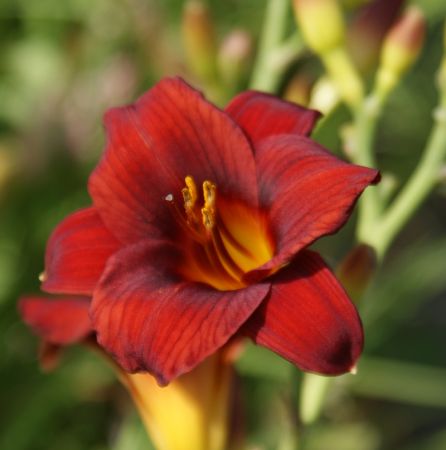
(63,63)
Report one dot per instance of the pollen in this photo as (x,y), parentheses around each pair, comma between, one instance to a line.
(209,194)
(208,218)
(192,188)
(208,211)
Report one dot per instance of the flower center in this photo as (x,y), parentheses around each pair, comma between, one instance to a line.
(222,239)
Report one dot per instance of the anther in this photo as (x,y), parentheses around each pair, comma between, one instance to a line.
(192,188)
(208,218)
(187,199)
(209,194)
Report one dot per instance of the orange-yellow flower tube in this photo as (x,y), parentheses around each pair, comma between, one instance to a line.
(191,412)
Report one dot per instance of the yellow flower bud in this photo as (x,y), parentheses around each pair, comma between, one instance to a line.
(321,24)
(401,48)
(322,27)
(298,89)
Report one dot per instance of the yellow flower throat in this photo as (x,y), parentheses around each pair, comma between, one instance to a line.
(222,240)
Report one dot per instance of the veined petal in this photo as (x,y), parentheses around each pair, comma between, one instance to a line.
(150,320)
(76,253)
(309,193)
(60,321)
(169,133)
(262,115)
(309,319)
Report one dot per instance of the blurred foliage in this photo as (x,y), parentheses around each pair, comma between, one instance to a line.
(63,64)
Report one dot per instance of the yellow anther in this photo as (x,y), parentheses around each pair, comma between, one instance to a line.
(208,218)
(192,188)
(187,198)
(209,194)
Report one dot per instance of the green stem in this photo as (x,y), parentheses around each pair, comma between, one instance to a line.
(265,77)
(366,120)
(420,184)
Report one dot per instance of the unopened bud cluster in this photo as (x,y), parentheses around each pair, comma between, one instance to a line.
(322,26)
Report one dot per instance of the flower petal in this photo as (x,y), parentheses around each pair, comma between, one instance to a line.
(169,133)
(262,115)
(76,253)
(150,320)
(59,321)
(309,193)
(308,318)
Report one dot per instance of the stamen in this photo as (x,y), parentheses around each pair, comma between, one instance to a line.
(209,194)
(187,198)
(179,217)
(208,211)
(208,218)
(190,198)
(192,188)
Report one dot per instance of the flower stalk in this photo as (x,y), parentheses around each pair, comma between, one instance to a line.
(378,226)
(265,75)
(400,50)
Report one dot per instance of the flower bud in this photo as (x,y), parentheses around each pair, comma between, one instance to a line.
(8,166)
(49,356)
(235,57)
(298,89)
(367,30)
(441,76)
(401,48)
(324,96)
(353,4)
(321,24)
(357,269)
(322,27)
(199,40)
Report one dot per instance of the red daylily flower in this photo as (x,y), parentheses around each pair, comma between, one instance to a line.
(198,233)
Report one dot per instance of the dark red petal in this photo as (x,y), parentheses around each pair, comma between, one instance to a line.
(76,253)
(169,133)
(149,320)
(262,115)
(309,192)
(309,319)
(59,321)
